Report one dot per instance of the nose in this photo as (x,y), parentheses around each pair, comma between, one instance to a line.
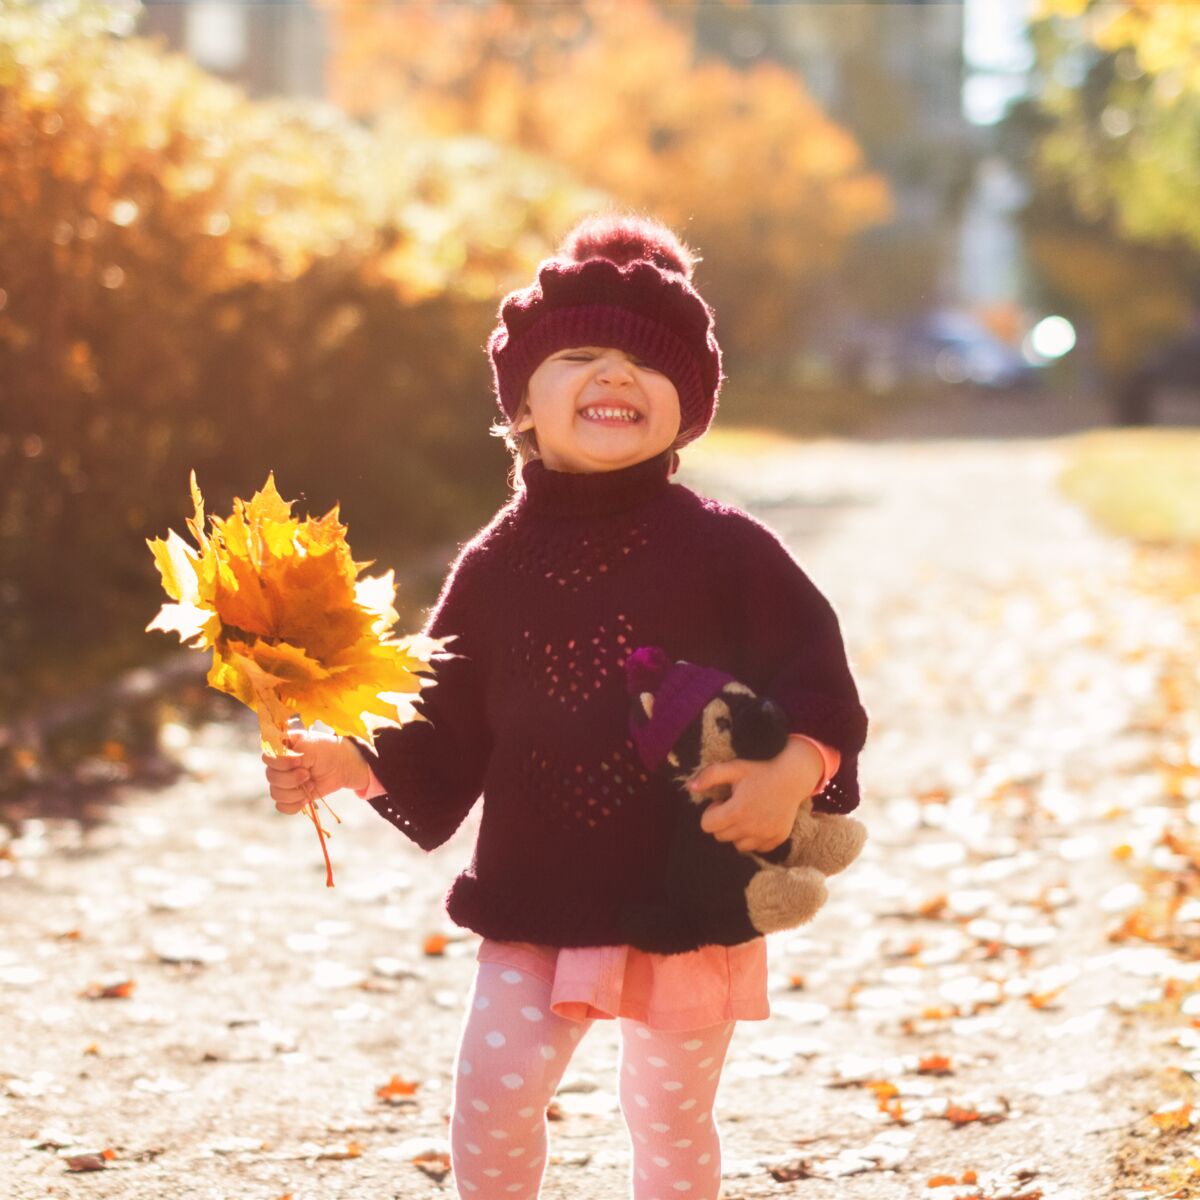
(611,368)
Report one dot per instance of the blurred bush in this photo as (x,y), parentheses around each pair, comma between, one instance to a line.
(189,279)
(744,163)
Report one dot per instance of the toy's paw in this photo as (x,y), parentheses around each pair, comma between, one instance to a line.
(784,898)
(833,844)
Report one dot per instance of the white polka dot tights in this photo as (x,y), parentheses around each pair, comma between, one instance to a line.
(511,1060)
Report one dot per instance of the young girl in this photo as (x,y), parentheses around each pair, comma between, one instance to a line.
(604,367)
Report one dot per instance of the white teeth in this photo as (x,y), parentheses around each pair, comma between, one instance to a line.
(619,413)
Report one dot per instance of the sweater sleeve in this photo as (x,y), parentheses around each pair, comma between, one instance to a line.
(792,652)
(432,771)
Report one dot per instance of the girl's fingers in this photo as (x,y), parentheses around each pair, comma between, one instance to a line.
(288,776)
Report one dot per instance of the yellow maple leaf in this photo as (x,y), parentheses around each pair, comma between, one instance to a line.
(293,629)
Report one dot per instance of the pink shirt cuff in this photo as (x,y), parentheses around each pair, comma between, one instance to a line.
(831,757)
(373,788)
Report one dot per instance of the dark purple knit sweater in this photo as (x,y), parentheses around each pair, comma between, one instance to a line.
(547,600)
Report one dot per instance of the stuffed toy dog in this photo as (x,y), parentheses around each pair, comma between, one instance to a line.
(683,717)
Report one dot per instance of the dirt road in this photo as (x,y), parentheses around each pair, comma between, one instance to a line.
(957,1008)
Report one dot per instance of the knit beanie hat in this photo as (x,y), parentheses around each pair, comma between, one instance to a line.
(621,281)
(681,690)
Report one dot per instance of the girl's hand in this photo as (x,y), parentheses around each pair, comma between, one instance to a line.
(317,765)
(761,810)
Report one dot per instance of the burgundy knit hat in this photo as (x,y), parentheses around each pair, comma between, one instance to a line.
(621,281)
(681,690)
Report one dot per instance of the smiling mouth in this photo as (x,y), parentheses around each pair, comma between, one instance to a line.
(610,416)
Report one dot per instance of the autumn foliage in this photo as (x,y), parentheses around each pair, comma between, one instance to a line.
(1114,227)
(744,162)
(192,279)
(292,628)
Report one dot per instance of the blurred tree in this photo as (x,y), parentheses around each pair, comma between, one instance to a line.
(742,162)
(1114,154)
(189,279)
(1122,82)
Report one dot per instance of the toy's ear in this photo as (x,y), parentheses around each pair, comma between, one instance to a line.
(647,699)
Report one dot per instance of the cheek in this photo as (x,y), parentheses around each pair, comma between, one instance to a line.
(662,391)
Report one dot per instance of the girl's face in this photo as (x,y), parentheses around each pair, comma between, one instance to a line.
(570,400)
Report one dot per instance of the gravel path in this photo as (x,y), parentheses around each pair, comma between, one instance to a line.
(957,1007)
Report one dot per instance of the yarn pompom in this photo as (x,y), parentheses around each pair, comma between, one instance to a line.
(623,238)
(645,669)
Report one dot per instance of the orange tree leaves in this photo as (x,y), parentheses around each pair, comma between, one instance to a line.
(783,187)
(196,279)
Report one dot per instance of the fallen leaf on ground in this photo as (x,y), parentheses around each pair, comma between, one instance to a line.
(435,1165)
(935,1064)
(396,1089)
(117,990)
(90,1162)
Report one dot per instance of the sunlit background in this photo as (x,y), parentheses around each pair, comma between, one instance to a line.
(241,237)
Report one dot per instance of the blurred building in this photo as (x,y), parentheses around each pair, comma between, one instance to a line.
(919,85)
(267,48)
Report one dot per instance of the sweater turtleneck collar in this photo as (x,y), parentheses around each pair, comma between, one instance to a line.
(591,493)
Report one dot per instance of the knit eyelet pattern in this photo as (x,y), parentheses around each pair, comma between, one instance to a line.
(579,797)
(571,564)
(571,672)
(833,797)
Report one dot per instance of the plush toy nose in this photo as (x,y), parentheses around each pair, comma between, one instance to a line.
(759,731)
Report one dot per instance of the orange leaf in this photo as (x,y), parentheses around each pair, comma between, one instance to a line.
(934,1064)
(940,1181)
(435,944)
(396,1087)
(121,990)
(960,1116)
(1174,1118)
(1043,999)
(1122,852)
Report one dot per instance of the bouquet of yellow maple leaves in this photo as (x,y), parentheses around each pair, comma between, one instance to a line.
(292,628)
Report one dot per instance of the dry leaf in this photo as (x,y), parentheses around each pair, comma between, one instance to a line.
(435,1164)
(934,1064)
(90,1162)
(118,990)
(395,1089)
(961,1116)
(292,628)
(1177,1116)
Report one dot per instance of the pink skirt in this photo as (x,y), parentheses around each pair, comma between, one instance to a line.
(663,991)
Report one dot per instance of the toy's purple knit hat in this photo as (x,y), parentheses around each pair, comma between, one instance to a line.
(622,281)
(681,690)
